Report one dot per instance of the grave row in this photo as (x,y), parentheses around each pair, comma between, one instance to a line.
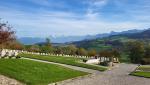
(9,53)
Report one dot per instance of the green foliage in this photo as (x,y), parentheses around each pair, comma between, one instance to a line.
(105,63)
(48,43)
(102,44)
(147,52)
(104,53)
(46,49)
(136,51)
(34,48)
(110,53)
(36,73)
(82,51)
(124,58)
(92,53)
(145,61)
(116,53)
(68,50)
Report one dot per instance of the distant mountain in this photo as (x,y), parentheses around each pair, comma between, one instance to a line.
(116,33)
(53,44)
(116,40)
(30,40)
(140,35)
(64,39)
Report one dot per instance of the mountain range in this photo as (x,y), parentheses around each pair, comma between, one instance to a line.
(114,41)
(65,39)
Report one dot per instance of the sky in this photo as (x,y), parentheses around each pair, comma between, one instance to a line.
(42,18)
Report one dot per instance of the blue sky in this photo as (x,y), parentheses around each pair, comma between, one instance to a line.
(41,18)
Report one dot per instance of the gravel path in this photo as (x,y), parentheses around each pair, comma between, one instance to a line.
(8,81)
(116,76)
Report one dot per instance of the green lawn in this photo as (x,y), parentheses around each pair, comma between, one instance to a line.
(144,68)
(142,74)
(36,73)
(65,60)
(143,71)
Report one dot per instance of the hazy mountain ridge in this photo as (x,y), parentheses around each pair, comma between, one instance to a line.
(64,39)
(113,40)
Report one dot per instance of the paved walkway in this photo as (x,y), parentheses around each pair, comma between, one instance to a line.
(117,76)
(8,81)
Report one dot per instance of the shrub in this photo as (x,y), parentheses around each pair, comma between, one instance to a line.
(105,63)
(145,61)
(85,60)
(17,57)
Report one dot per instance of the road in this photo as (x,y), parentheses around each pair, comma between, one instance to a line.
(116,76)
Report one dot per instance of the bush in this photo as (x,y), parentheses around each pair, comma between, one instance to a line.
(145,61)
(17,57)
(105,63)
(85,60)
(10,57)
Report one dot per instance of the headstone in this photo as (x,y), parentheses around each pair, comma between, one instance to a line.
(3,53)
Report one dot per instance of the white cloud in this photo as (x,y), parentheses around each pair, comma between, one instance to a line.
(95,5)
(44,22)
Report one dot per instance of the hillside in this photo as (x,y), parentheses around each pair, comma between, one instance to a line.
(115,41)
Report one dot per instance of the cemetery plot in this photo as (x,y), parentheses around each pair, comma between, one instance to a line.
(143,71)
(36,73)
(66,60)
(5,53)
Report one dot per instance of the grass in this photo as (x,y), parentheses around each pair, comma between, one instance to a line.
(142,74)
(65,60)
(142,71)
(144,68)
(36,73)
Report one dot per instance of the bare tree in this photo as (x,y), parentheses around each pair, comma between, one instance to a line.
(6,34)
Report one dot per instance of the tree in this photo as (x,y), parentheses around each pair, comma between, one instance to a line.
(146,58)
(115,53)
(45,49)
(72,49)
(58,50)
(34,48)
(81,51)
(107,54)
(16,45)
(48,42)
(147,52)
(6,34)
(136,51)
(92,53)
